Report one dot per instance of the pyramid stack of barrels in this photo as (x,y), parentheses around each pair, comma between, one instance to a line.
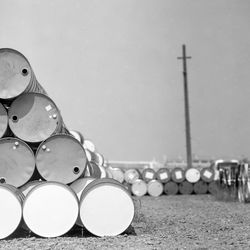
(51,178)
(165,181)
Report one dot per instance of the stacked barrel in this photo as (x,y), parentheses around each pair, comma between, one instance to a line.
(156,182)
(50,176)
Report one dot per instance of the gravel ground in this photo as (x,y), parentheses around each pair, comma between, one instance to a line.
(166,222)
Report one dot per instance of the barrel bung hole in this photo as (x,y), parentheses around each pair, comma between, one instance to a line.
(14,118)
(76,170)
(25,72)
(2,180)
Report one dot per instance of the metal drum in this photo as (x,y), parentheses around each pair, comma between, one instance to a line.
(148,174)
(17,161)
(177,175)
(93,170)
(117,174)
(78,135)
(95,157)
(106,208)
(200,187)
(50,209)
(207,174)
(139,188)
(163,175)
(11,200)
(131,175)
(33,117)
(186,187)
(16,75)
(155,188)
(171,188)
(3,120)
(192,175)
(61,158)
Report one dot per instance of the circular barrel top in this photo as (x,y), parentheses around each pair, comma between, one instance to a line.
(15,73)
(186,187)
(3,120)
(207,174)
(192,175)
(177,175)
(61,158)
(155,188)
(17,161)
(50,209)
(33,117)
(163,175)
(148,174)
(131,175)
(106,208)
(139,188)
(171,188)
(10,210)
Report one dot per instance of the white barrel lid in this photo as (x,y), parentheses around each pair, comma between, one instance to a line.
(192,175)
(155,188)
(106,208)
(139,187)
(50,209)
(15,73)
(10,211)
(61,158)
(17,161)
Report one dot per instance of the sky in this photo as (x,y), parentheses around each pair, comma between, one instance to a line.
(111,67)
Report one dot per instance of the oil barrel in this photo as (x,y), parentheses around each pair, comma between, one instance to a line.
(93,170)
(177,175)
(200,187)
(207,174)
(3,120)
(154,188)
(80,184)
(106,208)
(139,188)
(61,158)
(117,174)
(186,187)
(50,209)
(11,200)
(131,175)
(17,161)
(192,175)
(16,75)
(163,175)
(33,117)
(148,174)
(171,188)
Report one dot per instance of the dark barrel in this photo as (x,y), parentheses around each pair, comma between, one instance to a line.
(186,187)
(171,188)
(163,175)
(177,175)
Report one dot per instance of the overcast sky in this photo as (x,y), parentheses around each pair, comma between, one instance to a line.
(111,67)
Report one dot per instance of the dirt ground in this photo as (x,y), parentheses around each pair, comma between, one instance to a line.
(166,222)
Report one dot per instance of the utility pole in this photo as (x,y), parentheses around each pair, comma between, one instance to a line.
(186,106)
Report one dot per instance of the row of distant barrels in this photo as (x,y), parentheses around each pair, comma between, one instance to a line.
(45,168)
(145,181)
